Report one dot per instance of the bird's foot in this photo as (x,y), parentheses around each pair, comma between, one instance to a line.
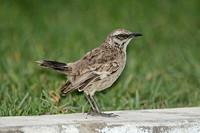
(95,113)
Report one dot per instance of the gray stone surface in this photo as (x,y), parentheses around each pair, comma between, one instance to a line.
(178,120)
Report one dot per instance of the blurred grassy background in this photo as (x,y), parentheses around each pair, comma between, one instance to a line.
(162,70)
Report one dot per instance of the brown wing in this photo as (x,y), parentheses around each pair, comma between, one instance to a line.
(97,64)
(102,71)
(66,89)
(93,74)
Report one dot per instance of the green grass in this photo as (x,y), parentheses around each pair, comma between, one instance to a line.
(162,70)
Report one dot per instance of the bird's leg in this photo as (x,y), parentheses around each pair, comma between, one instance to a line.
(98,110)
(95,104)
(95,109)
(88,98)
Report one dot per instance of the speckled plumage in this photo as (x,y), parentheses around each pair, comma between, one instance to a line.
(97,69)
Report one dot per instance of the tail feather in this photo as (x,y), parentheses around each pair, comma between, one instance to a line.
(54,65)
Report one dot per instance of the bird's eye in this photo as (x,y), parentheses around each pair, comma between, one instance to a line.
(122,36)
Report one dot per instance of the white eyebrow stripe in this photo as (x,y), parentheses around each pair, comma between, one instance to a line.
(117,33)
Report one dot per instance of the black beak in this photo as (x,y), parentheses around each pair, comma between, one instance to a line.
(135,35)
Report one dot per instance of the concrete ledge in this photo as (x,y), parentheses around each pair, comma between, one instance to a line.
(178,120)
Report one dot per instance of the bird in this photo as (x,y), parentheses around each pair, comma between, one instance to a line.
(97,69)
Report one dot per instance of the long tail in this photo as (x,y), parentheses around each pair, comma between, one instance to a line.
(62,67)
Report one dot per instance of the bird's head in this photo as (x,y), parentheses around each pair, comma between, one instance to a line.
(120,38)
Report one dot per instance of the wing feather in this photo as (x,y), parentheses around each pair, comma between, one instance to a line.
(97,64)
